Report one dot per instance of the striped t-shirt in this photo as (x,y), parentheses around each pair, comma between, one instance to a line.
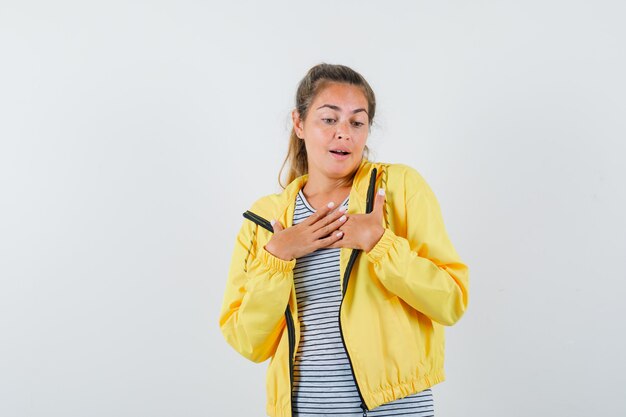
(323,381)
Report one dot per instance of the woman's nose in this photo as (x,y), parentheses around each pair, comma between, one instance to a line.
(343,131)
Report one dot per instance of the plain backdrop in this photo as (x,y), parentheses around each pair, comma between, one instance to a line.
(135,134)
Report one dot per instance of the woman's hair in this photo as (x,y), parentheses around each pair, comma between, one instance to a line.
(313,82)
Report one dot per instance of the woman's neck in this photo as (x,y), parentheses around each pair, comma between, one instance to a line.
(318,190)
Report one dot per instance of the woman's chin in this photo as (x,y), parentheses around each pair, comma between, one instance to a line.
(343,169)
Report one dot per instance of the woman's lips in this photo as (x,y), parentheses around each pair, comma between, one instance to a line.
(340,157)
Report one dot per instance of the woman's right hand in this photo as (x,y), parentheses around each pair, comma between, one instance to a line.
(317,231)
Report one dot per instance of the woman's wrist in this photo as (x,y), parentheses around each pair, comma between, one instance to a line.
(377,233)
(272,250)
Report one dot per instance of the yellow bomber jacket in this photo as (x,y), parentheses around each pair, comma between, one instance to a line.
(396,298)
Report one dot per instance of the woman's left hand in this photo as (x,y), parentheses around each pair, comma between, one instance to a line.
(363,231)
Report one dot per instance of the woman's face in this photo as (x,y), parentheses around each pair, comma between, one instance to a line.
(337,121)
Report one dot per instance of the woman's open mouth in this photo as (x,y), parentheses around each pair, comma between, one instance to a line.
(340,154)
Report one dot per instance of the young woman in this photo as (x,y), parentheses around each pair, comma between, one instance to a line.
(346,278)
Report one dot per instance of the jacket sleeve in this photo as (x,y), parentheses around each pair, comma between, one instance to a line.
(256,296)
(423,269)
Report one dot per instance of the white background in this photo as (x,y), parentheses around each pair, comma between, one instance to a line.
(134,135)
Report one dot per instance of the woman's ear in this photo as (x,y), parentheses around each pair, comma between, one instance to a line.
(297,123)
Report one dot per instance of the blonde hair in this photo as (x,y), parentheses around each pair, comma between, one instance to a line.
(313,82)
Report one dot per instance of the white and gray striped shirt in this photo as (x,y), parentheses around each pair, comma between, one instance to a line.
(323,381)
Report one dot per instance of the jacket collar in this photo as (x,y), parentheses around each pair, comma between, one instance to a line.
(356,201)
(360,183)
(281,206)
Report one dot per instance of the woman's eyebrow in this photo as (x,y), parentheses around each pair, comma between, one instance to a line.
(332,106)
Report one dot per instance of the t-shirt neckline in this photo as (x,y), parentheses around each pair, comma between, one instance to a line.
(310,207)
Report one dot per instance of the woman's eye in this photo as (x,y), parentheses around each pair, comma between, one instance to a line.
(330,120)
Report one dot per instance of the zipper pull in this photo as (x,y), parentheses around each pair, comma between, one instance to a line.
(364,410)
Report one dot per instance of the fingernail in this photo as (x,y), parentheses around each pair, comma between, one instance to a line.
(331,205)
(339,234)
(342,218)
(381,191)
(272,222)
(343,209)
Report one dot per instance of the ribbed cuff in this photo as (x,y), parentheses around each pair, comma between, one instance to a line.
(276,263)
(381,247)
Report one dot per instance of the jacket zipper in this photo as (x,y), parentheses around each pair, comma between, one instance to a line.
(353,255)
(292,345)
(289,319)
(291,330)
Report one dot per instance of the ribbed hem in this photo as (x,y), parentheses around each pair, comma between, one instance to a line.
(381,248)
(276,263)
(377,398)
(383,396)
